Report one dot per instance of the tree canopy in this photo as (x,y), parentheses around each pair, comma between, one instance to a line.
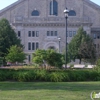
(49,57)
(15,54)
(7,37)
(81,46)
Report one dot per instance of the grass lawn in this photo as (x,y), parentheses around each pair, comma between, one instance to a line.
(47,90)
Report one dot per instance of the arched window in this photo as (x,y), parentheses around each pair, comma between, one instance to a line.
(53,7)
(72,13)
(35,13)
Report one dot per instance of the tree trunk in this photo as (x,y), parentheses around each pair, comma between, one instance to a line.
(80,61)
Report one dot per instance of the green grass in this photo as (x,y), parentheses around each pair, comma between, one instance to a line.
(47,90)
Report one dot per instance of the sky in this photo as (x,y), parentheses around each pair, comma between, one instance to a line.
(5,3)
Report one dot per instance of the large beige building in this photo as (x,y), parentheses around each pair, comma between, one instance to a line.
(39,23)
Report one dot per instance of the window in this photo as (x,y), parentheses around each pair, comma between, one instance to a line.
(29,46)
(53,7)
(48,33)
(29,34)
(74,33)
(70,33)
(37,33)
(94,36)
(98,36)
(55,33)
(72,13)
(33,46)
(52,33)
(19,33)
(33,33)
(35,13)
(37,45)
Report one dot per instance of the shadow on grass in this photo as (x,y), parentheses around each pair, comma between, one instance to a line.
(68,86)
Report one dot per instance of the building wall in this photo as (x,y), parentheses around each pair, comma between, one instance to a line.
(19,15)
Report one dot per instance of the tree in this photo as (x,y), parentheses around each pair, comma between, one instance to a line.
(15,54)
(39,56)
(50,57)
(1,61)
(87,50)
(54,58)
(7,37)
(81,42)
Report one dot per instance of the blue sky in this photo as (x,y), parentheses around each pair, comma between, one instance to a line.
(4,3)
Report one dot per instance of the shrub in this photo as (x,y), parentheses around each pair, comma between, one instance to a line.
(2,76)
(97,67)
(40,75)
(57,77)
(28,75)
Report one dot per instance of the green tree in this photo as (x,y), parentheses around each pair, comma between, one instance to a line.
(49,57)
(1,61)
(7,37)
(80,45)
(54,58)
(39,56)
(87,50)
(15,54)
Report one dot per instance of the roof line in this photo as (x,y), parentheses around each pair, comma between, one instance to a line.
(10,6)
(92,4)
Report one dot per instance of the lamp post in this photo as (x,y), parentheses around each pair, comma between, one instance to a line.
(66,11)
(59,43)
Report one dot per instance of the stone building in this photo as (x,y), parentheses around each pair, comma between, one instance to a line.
(40,23)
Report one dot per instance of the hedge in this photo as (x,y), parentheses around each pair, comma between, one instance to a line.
(23,75)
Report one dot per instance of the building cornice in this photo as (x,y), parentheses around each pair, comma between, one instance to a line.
(51,24)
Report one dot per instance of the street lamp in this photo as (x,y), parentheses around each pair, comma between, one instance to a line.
(59,43)
(66,11)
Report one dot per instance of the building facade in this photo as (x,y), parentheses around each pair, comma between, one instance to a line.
(40,23)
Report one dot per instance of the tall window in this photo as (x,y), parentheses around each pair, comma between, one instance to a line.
(55,34)
(51,33)
(74,33)
(29,46)
(33,33)
(94,36)
(53,7)
(37,33)
(48,33)
(70,33)
(33,46)
(19,33)
(29,33)
(37,45)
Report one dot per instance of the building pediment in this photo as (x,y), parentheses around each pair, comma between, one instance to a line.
(11,6)
(88,2)
(92,4)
